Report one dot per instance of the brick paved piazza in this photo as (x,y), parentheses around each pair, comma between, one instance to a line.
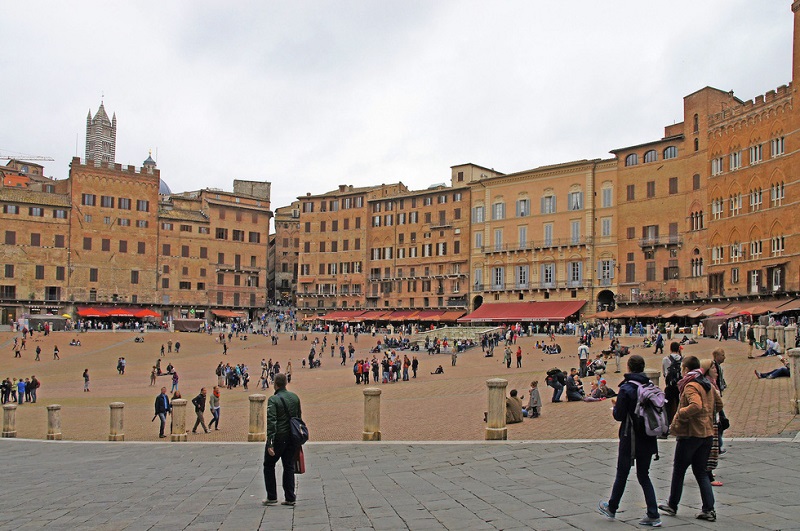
(432,408)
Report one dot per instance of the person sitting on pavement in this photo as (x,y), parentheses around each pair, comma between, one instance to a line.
(780,372)
(574,387)
(439,370)
(595,393)
(513,408)
(772,348)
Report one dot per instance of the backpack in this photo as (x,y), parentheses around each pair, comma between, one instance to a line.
(651,408)
(551,377)
(673,374)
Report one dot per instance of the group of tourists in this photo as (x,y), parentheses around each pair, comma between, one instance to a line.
(19,390)
(387,370)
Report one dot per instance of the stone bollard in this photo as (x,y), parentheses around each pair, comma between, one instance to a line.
(54,422)
(116,431)
(790,335)
(654,375)
(496,416)
(372,415)
(780,337)
(771,333)
(9,421)
(694,330)
(178,430)
(794,371)
(761,332)
(258,419)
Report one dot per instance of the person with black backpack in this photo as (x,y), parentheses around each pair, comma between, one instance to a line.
(671,369)
(635,445)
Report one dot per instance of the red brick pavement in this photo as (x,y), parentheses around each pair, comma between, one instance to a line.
(433,407)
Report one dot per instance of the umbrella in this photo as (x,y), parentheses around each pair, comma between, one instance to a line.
(66,315)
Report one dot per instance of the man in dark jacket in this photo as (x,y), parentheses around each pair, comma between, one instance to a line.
(634,444)
(281,407)
(199,408)
(162,408)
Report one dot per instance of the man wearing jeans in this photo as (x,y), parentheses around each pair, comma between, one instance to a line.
(281,407)
(634,444)
(162,408)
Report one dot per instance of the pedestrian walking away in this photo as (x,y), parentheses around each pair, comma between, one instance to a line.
(281,407)
(635,445)
(86,380)
(38,351)
(693,427)
(162,407)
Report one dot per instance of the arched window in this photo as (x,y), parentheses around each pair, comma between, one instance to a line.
(696,123)
(696,144)
(670,152)
(651,156)
(632,160)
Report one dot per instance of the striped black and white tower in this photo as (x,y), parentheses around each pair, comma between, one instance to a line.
(101,136)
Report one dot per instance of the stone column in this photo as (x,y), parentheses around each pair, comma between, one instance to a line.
(178,431)
(771,332)
(780,337)
(694,330)
(372,414)
(496,416)
(9,420)
(760,332)
(258,419)
(790,335)
(794,370)
(116,431)
(54,422)
(654,375)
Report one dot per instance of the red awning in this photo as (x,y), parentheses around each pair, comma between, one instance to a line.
(118,312)
(402,315)
(141,314)
(524,311)
(342,315)
(428,315)
(373,315)
(90,311)
(451,316)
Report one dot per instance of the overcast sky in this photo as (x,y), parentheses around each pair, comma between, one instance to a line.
(309,95)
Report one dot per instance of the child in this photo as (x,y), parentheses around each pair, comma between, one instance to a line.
(534,400)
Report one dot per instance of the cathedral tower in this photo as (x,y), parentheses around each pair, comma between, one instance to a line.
(101,136)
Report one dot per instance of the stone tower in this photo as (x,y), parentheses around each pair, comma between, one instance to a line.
(101,136)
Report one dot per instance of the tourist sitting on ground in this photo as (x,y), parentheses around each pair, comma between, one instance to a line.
(513,408)
(170,368)
(574,387)
(75,342)
(137,339)
(595,394)
(606,390)
(597,366)
(780,372)
(772,348)
(439,370)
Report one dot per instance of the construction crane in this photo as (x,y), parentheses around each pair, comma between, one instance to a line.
(12,155)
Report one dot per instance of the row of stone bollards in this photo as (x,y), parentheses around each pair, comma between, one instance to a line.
(495,417)
(116,431)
